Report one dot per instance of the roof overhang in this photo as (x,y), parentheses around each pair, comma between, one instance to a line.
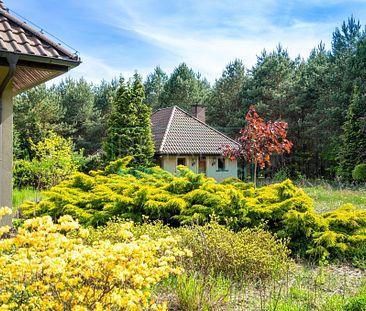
(33,70)
(29,57)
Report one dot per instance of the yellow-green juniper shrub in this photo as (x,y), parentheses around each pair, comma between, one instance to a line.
(188,198)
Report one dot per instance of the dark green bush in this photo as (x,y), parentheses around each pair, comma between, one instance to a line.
(23,174)
(359,173)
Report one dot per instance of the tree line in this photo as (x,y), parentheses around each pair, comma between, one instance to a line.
(322,98)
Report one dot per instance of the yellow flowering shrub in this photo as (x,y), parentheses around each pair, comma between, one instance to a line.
(48,266)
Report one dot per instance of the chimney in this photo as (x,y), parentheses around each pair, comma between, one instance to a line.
(199,112)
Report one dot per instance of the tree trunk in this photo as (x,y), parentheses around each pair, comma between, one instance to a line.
(255,174)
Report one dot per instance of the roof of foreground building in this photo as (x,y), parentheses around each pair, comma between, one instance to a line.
(39,58)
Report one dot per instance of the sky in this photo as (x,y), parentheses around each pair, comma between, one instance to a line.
(119,37)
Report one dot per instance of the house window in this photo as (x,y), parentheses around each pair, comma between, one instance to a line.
(221,164)
(181,161)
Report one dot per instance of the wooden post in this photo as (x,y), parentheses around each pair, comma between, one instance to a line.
(6,152)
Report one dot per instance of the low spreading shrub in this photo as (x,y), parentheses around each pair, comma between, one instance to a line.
(188,198)
(359,173)
(48,266)
(248,254)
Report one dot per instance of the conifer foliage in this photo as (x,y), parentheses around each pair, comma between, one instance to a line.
(188,198)
(353,150)
(129,127)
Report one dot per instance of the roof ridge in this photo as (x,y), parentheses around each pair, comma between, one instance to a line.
(164,108)
(209,126)
(2,5)
(38,34)
(167,129)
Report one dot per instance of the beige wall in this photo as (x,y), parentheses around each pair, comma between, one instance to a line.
(6,151)
(231,167)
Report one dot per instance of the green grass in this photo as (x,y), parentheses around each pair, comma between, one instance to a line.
(304,288)
(327,198)
(19,196)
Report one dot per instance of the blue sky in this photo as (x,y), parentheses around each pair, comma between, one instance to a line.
(117,37)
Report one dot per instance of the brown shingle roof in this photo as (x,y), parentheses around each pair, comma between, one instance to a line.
(18,37)
(177,132)
(39,58)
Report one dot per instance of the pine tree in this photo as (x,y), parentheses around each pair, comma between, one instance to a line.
(345,39)
(129,126)
(154,86)
(184,88)
(271,83)
(224,104)
(353,149)
(77,100)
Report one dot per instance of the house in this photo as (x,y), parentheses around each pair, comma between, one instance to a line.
(181,138)
(27,58)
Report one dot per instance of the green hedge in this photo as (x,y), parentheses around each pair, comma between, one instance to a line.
(189,198)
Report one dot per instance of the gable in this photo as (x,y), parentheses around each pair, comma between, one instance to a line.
(177,132)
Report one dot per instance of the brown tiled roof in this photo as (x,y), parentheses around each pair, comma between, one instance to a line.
(18,37)
(177,132)
(39,58)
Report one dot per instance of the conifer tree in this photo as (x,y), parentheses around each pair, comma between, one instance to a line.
(129,126)
(184,88)
(224,104)
(353,150)
(154,86)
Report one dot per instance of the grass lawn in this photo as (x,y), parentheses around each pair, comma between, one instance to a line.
(19,196)
(326,198)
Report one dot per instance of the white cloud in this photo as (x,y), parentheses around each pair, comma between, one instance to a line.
(94,70)
(205,34)
(209,52)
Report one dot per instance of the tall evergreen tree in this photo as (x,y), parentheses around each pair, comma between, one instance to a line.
(77,100)
(345,69)
(224,105)
(346,38)
(353,149)
(103,95)
(154,86)
(270,88)
(272,80)
(129,126)
(184,88)
(311,132)
(36,112)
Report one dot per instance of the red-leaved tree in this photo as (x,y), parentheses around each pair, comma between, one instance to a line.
(259,140)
